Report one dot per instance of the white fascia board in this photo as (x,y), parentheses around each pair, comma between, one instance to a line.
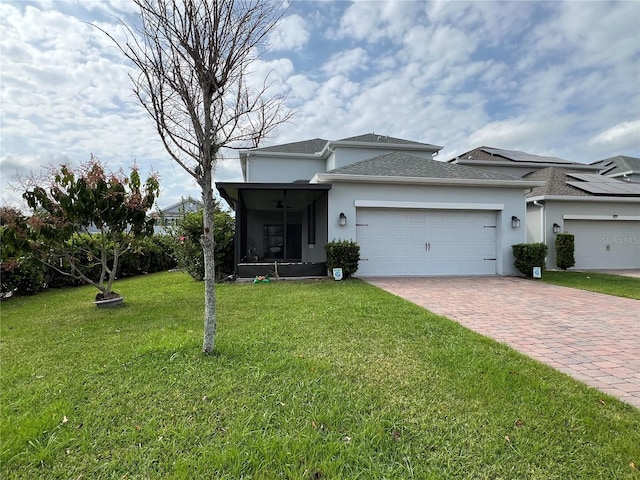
(332,177)
(258,153)
(634,218)
(428,205)
(387,146)
(594,198)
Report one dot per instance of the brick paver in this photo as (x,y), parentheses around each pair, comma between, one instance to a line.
(595,338)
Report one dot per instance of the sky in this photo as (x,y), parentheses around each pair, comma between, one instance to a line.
(549,78)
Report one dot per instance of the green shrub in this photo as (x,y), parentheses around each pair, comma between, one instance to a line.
(20,272)
(529,255)
(188,250)
(343,254)
(22,276)
(565,248)
(150,255)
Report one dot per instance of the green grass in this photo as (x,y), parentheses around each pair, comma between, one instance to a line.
(617,285)
(316,380)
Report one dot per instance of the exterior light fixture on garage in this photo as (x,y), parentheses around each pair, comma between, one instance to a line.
(342,220)
(515,222)
(556,228)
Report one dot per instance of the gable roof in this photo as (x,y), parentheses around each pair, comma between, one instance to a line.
(399,164)
(185,203)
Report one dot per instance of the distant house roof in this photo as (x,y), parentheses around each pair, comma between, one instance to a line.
(618,165)
(188,204)
(568,182)
(491,155)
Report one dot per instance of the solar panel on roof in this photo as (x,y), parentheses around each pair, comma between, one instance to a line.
(587,177)
(518,156)
(600,185)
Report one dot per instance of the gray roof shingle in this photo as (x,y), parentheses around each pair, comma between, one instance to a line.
(556,183)
(619,164)
(311,146)
(398,164)
(377,138)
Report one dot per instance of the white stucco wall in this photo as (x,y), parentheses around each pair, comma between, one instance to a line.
(317,253)
(343,195)
(264,169)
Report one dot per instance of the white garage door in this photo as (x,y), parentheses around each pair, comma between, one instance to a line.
(605,244)
(396,242)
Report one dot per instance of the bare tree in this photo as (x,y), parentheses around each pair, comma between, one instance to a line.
(194,58)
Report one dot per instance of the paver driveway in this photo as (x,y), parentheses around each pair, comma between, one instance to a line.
(595,338)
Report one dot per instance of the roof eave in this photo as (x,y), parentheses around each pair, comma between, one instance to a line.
(332,177)
(583,198)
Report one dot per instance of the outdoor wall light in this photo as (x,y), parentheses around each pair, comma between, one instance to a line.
(342,220)
(556,228)
(515,222)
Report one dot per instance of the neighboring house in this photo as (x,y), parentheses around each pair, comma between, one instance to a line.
(514,162)
(169,216)
(410,214)
(589,200)
(621,167)
(603,214)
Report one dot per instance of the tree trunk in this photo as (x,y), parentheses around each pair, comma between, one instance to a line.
(208,246)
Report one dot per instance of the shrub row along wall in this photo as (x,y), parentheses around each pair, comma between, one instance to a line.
(28,275)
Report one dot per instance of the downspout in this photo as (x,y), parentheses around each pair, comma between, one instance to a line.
(542,229)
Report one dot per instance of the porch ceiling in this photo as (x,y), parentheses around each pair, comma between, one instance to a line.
(271,196)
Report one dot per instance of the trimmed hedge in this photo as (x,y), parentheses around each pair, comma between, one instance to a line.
(343,254)
(529,255)
(565,248)
(29,275)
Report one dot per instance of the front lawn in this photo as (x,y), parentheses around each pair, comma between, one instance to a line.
(617,285)
(314,380)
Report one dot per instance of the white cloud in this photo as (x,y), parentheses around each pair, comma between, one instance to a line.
(374,21)
(290,34)
(345,62)
(625,133)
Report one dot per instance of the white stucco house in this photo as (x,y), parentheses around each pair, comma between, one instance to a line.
(599,203)
(169,216)
(410,214)
(603,214)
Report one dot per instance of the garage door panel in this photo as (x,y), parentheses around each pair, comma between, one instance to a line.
(426,242)
(602,244)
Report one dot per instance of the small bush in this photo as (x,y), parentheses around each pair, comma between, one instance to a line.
(188,250)
(565,248)
(343,254)
(529,255)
